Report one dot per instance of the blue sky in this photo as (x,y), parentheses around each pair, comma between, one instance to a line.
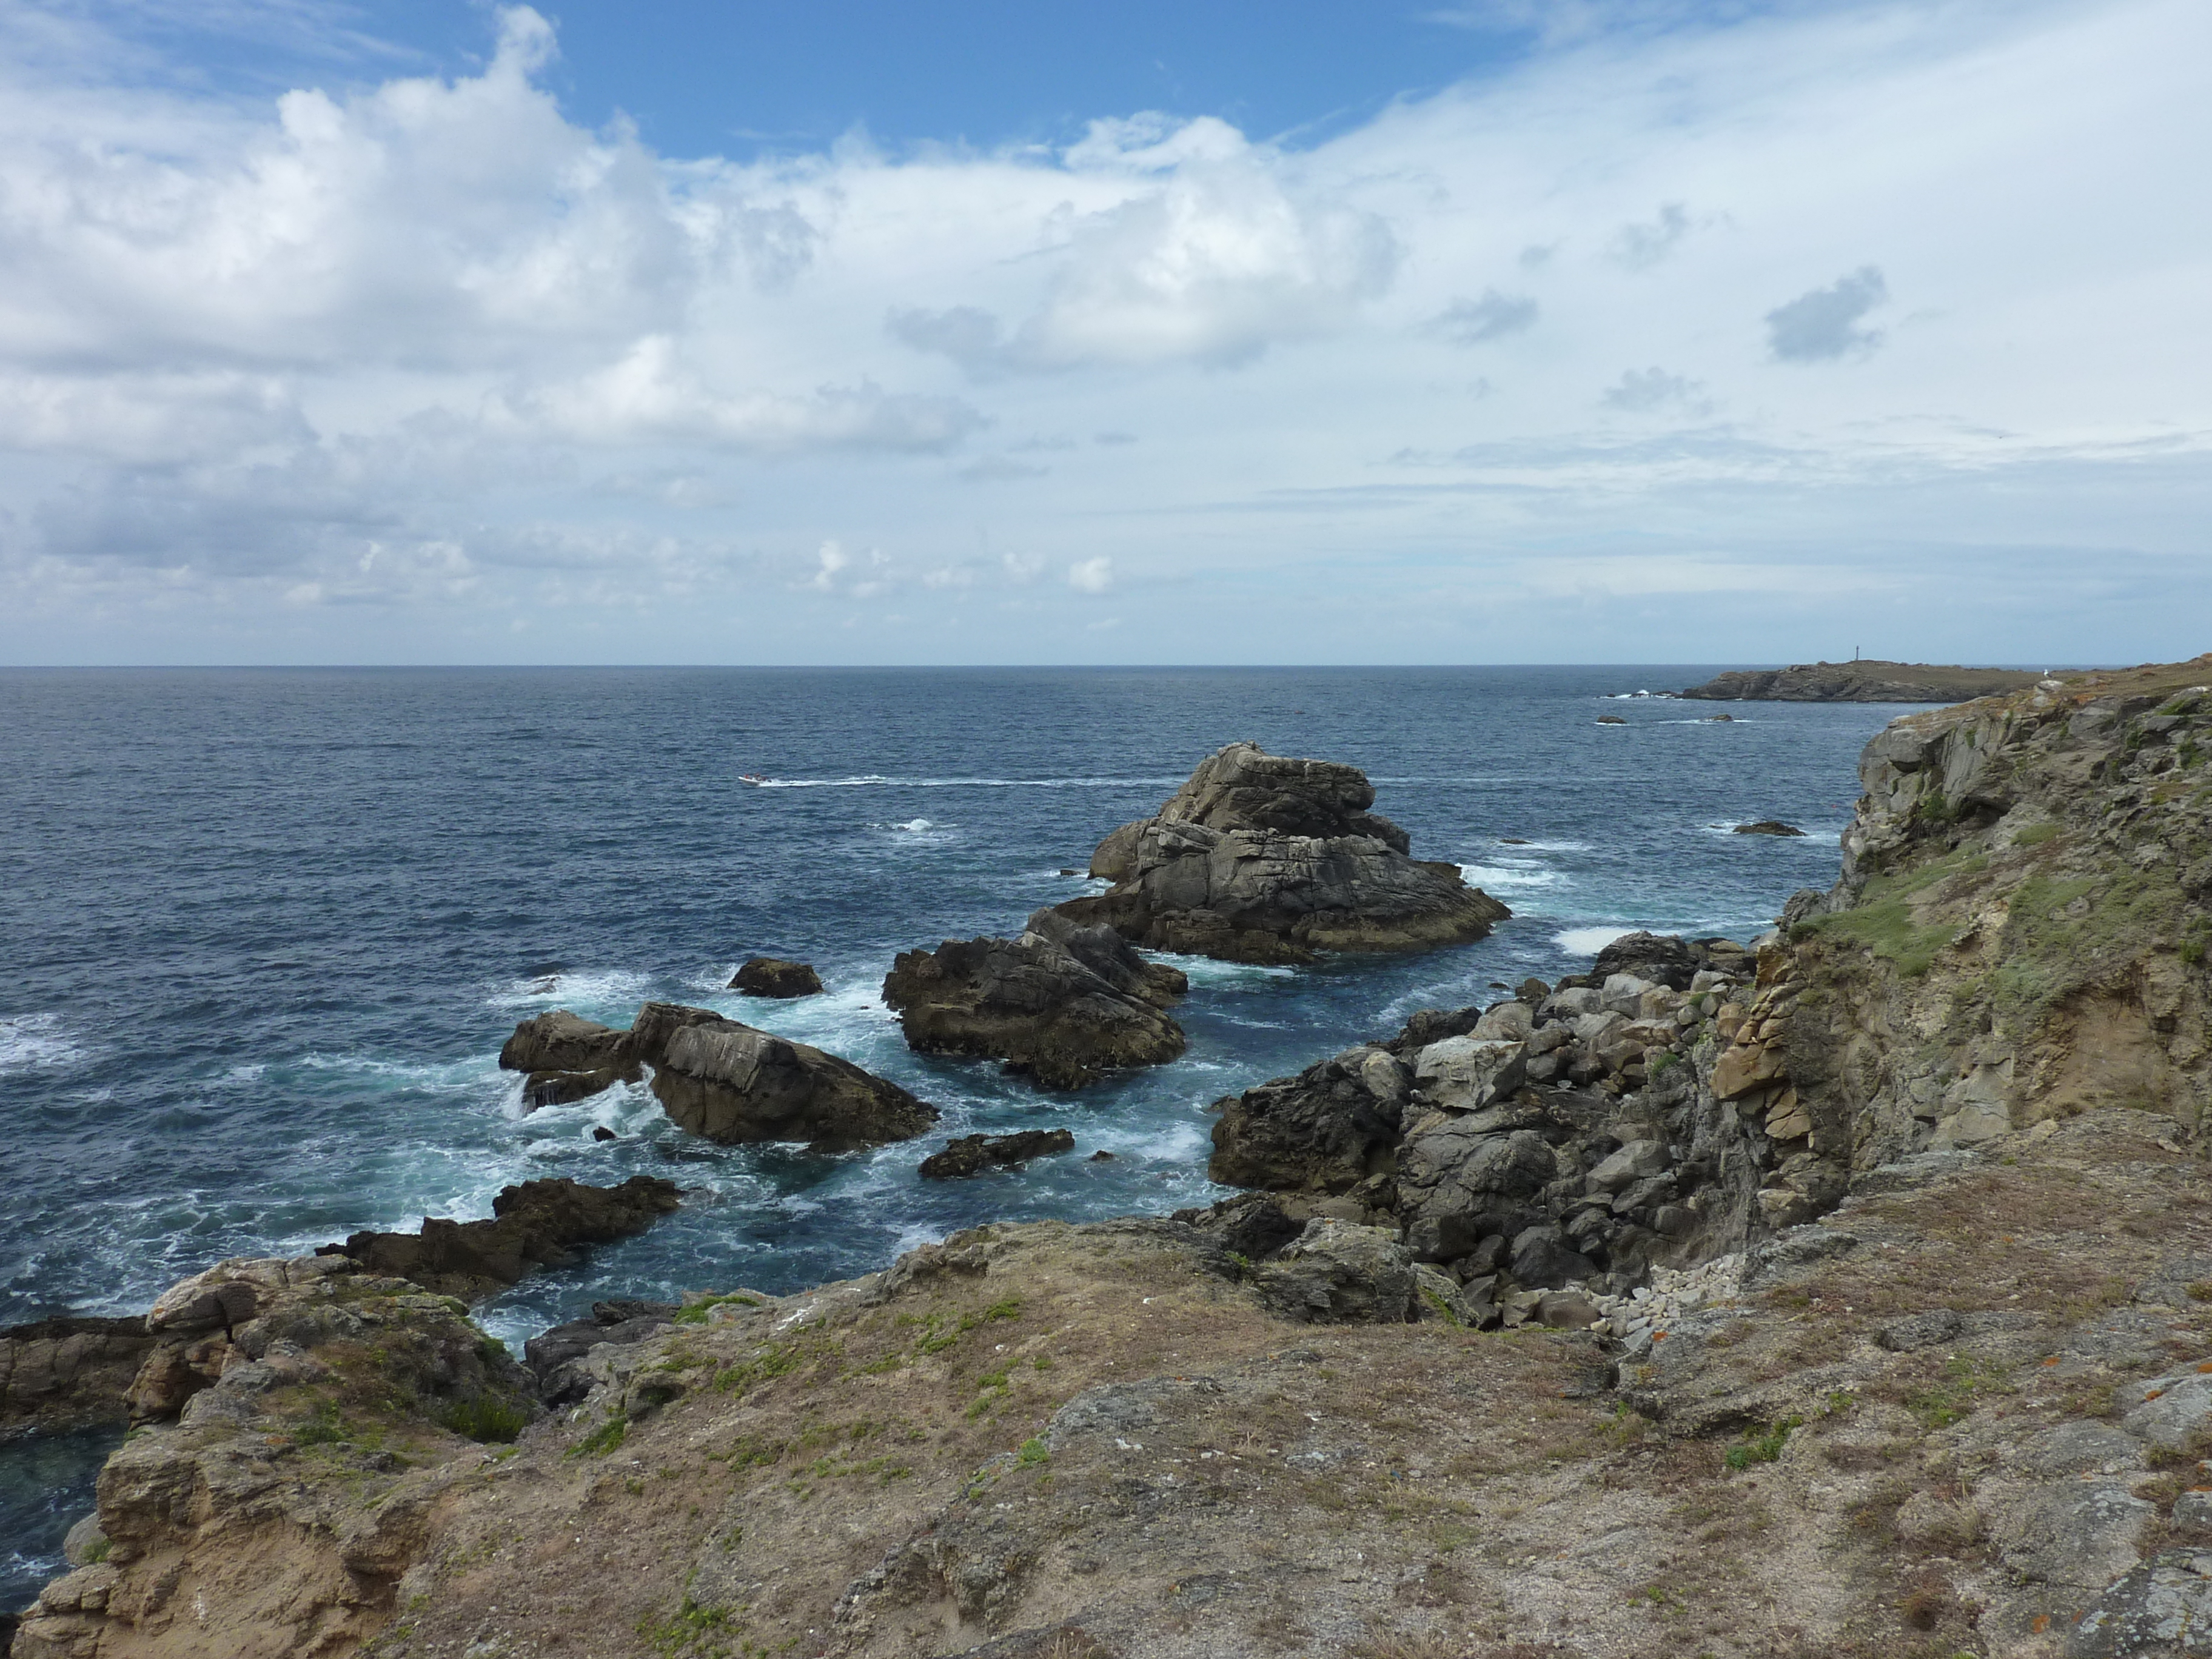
(1526,331)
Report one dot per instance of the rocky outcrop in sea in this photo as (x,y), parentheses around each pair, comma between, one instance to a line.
(1263,859)
(1062,1002)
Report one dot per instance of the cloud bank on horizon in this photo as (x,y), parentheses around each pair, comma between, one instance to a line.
(1827,326)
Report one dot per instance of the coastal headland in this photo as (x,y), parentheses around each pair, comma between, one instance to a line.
(1862,680)
(1843,1290)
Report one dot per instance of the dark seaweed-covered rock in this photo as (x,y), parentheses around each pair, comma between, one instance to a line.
(772,976)
(972,1154)
(536,1225)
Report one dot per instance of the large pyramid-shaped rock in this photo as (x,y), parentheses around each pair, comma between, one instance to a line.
(1263,859)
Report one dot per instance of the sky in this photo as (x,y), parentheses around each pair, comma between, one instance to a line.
(862,332)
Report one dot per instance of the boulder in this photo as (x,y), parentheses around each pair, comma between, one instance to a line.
(1260,858)
(772,976)
(1467,1074)
(1662,959)
(972,1154)
(569,1058)
(1460,1180)
(733,1084)
(535,1224)
(1335,1272)
(1325,1130)
(1542,1257)
(1064,1003)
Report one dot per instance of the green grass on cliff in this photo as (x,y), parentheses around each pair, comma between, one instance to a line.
(1883,922)
(2065,935)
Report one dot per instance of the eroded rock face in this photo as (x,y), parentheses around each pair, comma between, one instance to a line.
(275,1515)
(538,1224)
(70,1371)
(733,1084)
(973,1154)
(1262,858)
(772,976)
(1064,1002)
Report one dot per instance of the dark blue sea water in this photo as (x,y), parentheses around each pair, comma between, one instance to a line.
(265,931)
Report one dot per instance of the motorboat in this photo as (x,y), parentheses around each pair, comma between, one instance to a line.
(753,778)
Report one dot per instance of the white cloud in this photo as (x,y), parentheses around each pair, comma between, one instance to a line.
(1091,575)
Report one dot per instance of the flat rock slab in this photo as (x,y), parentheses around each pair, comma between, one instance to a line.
(973,1154)
(733,1084)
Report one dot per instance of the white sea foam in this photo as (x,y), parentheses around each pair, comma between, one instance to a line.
(1204,970)
(569,987)
(1589,941)
(33,1040)
(1492,876)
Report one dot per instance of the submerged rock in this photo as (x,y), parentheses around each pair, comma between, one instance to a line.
(972,1154)
(1768,827)
(1064,1003)
(535,1224)
(733,1084)
(772,976)
(1260,858)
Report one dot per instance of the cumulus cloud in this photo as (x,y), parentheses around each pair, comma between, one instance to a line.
(1091,575)
(1219,257)
(1640,246)
(1471,322)
(1824,324)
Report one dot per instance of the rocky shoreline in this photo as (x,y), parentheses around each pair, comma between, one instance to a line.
(1844,1291)
(1863,680)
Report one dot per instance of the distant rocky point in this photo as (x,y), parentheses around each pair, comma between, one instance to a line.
(1868,680)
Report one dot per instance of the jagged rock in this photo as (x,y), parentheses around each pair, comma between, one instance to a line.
(972,1154)
(1325,1130)
(569,1058)
(1467,1074)
(551,1354)
(537,1224)
(1542,1257)
(733,1084)
(772,976)
(1663,959)
(1259,858)
(1335,1272)
(1768,827)
(1460,1180)
(1064,1003)
(69,1372)
(1254,1225)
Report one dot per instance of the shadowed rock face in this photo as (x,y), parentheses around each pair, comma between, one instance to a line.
(1064,1003)
(68,1371)
(733,1084)
(1262,858)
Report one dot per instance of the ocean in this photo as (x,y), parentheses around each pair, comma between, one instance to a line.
(265,930)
